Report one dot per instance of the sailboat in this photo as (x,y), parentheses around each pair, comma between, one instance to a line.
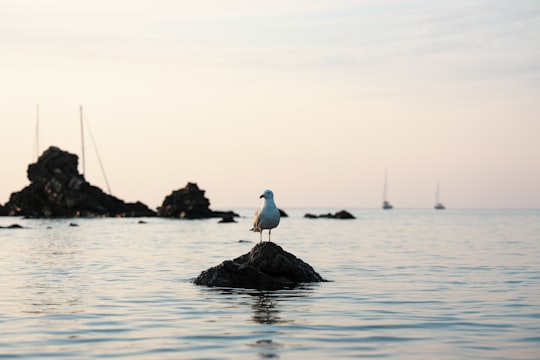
(386,205)
(438,205)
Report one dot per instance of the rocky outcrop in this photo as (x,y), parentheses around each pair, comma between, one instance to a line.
(343,214)
(266,267)
(190,203)
(58,190)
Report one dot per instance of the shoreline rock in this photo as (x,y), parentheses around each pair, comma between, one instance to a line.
(266,267)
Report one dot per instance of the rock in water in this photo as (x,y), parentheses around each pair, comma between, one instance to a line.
(266,267)
(343,214)
(58,190)
(189,203)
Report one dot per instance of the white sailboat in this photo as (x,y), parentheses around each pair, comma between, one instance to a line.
(386,204)
(438,204)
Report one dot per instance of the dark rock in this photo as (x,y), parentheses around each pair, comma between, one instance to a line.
(58,190)
(266,267)
(227,218)
(327,216)
(225,214)
(73,225)
(189,203)
(12,226)
(343,214)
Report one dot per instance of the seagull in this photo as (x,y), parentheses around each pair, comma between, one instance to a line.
(267,216)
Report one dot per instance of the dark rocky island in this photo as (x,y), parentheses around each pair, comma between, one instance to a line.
(343,214)
(190,203)
(58,190)
(266,267)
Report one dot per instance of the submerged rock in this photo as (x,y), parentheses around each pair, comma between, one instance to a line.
(266,267)
(343,214)
(190,203)
(58,190)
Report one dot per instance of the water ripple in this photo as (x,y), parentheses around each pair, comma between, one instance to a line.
(407,287)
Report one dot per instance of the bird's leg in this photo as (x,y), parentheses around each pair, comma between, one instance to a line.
(269,232)
(260,236)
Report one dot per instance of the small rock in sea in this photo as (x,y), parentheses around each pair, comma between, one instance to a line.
(343,214)
(73,224)
(12,226)
(266,267)
(141,222)
(327,216)
(244,241)
(227,218)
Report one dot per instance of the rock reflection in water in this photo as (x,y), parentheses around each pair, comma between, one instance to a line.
(265,309)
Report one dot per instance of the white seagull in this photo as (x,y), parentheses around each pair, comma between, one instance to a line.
(267,216)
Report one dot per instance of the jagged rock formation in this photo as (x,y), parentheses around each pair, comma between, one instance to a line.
(266,267)
(343,214)
(190,203)
(58,190)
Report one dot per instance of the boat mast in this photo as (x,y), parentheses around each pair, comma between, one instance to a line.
(437,194)
(385,183)
(82,141)
(37,132)
(87,124)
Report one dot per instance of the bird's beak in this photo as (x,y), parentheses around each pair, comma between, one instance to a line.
(260,197)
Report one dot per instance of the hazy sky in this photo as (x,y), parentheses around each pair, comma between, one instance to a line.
(312,99)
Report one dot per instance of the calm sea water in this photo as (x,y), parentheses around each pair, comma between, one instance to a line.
(405,284)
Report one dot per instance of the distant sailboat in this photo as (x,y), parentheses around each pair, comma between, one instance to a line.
(438,205)
(386,205)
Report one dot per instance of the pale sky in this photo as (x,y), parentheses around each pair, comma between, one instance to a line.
(312,99)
